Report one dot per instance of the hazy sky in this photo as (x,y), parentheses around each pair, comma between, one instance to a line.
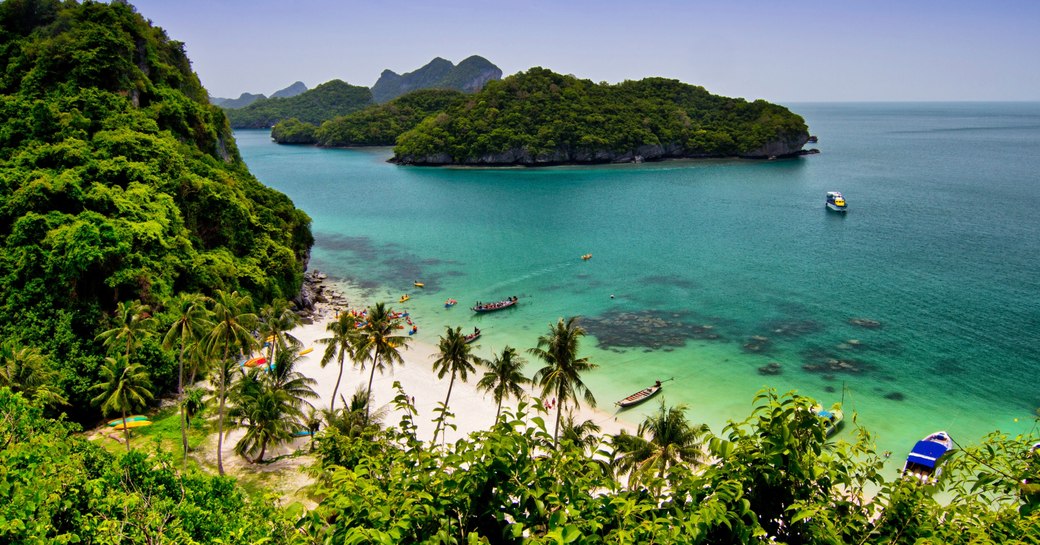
(809,50)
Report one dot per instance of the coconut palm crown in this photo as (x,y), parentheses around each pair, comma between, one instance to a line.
(561,376)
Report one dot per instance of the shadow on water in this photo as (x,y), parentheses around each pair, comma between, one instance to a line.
(651,329)
(384,264)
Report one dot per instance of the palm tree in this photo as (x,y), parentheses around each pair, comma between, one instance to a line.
(381,342)
(198,358)
(351,421)
(26,370)
(269,415)
(230,335)
(341,345)
(276,320)
(672,439)
(133,325)
(125,387)
(504,378)
(282,375)
(193,403)
(191,323)
(584,435)
(313,421)
(562,372)
(269,404)
(454,357)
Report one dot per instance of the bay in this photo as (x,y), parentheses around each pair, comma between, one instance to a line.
(706,271)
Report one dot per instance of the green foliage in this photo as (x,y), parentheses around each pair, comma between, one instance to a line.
(772,478)
(542,117)
(561,376)
(26,370)
(454,358)
(377,125)
(343,344)
(56,487)
(504,377)
(118,182)
(328,100)
(381,343)
(294,131)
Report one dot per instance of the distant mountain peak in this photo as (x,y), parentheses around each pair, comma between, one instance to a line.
(469,76)
(290,91)
(245,99)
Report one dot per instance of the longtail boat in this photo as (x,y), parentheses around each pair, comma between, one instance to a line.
(640,396)
(491,307)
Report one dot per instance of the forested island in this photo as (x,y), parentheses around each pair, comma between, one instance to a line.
(330,99)
(376,125)
(138,254)
(539,117)
(337,98)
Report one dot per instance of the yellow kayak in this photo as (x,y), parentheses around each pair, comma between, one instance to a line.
(404,298)
(306,351)
(133,418)
(134,424)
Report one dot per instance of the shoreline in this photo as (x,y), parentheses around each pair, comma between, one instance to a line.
(473,409)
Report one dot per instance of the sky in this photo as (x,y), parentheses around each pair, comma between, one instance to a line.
(780,51)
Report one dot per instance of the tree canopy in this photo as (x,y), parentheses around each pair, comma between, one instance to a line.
(377,125)
(325,101)
(119,182)
(540,117)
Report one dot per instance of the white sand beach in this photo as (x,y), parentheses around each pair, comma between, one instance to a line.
(474,410)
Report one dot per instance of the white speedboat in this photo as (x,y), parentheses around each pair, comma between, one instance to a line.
(836,201)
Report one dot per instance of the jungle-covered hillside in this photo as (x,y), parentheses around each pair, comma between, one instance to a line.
(120,182)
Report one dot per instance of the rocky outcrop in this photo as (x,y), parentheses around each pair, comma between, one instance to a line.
(469,76)
(785,147)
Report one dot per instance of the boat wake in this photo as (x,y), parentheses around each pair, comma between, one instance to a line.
(501,285)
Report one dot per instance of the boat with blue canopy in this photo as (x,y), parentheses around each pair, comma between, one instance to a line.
(924,461)
(831,419)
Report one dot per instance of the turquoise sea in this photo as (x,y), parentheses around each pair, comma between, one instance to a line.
(920,307)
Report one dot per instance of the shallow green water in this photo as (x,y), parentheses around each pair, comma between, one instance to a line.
(941,246)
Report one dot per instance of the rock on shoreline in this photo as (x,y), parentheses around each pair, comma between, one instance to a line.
(316,297)
(790,146)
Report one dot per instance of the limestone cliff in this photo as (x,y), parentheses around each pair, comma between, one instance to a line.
(469,76)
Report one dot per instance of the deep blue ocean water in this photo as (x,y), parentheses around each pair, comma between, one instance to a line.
(718,268)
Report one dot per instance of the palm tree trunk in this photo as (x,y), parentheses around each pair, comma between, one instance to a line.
(180,398)
(559,411)
(371,377)
(263,449)
(220,417)
(446,398)
(126,431)
(498,412)
(332,406)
